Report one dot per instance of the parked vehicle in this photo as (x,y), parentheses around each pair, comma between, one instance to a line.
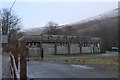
(114,48)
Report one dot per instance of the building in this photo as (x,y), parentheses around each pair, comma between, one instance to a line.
(61,44)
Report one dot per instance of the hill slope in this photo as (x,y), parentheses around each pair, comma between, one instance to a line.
(104,25)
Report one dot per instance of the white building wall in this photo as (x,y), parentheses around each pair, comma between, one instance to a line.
(86,50)
(48,48)
(60,49)
(34,51)
(63,49)
(96,49)
(75,49)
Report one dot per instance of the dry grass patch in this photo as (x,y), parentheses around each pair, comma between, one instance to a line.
(112,60)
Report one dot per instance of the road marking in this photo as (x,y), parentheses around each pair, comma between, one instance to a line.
(82,66)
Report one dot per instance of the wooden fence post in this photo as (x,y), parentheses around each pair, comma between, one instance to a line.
(23,62)
(80,47)
(41,50)
(68,47)
(16,55)
(55,47)
(102,46)
(14,50)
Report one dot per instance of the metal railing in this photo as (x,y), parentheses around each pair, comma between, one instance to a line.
(13,68)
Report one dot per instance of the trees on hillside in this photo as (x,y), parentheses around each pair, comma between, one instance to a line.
(108,31)
(51,28)
(70,31)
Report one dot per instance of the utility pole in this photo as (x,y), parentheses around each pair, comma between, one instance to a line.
(0,36)
(8,18)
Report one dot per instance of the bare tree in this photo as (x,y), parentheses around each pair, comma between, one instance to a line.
(52,28)
(10,23)
(70,31)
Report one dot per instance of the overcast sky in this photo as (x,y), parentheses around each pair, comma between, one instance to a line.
(37,14)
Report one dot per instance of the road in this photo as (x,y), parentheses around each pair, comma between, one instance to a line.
(5,66)
(60,70)
(37,69)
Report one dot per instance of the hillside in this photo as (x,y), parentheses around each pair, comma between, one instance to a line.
(33,31)
(89,24)
(104,25)
(108,19)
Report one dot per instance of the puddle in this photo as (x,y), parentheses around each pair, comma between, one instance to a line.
(82,66)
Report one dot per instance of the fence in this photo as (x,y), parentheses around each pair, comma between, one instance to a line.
(13,68)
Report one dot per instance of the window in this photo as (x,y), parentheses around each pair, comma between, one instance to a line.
(86,45)
(95,45)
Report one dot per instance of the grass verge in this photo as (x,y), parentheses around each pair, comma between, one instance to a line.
(111,60)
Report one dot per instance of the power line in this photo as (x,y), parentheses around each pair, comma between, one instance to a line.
(9,12)
(12,6)
(7,21)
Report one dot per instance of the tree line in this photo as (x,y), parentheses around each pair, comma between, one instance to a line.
(108,28)
(10,24)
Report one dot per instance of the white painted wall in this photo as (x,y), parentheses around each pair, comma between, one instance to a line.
(62,49)
(75,49)
(48,48)
(86,50)
(33,51)
(96,49)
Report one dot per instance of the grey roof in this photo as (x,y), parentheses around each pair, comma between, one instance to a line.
(58,38)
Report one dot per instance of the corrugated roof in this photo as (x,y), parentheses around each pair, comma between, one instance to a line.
(58,38)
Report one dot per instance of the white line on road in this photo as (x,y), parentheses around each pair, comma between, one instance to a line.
(82,66)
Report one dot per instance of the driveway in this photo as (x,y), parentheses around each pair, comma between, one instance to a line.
(37,69)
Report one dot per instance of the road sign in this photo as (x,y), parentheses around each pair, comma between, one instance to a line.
(4,38)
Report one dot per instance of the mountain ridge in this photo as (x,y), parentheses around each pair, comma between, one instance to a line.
(107,15)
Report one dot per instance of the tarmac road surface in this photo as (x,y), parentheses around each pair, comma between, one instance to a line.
(5,66)
(37,69)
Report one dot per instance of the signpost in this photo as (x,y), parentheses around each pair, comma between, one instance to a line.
(5,39)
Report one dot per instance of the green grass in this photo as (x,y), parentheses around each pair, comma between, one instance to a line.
(96,60)
(112,61)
